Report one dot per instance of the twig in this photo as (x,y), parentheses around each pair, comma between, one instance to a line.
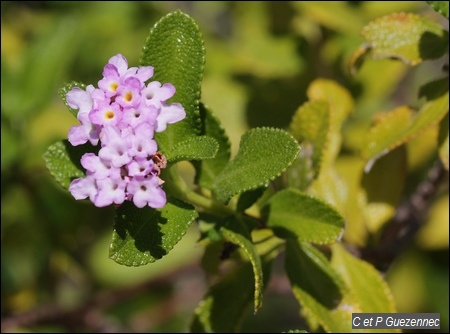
(399,232)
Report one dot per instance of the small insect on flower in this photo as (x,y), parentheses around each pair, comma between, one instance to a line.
(160,161)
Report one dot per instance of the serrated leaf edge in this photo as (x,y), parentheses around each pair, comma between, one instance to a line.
(258,284)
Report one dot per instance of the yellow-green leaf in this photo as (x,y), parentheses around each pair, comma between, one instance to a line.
(339,99)
(385,133)
(367,287)
(311,125)
(408,37)
(400,125)
(341,105)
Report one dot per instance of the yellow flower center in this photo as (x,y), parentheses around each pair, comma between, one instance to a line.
(128,96)
(114,86)
(109,114)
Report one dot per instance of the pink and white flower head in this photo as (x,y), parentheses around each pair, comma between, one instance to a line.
(122,114)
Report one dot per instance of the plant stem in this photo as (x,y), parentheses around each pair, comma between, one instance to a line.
(178,187)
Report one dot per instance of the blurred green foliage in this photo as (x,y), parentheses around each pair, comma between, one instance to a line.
(260,59)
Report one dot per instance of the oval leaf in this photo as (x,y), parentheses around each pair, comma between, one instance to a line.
(145,235)
(196,148)
(175,49)
(408,37)
(264,153)
(63,161)
(292,214)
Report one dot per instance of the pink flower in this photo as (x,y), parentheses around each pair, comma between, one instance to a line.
(82,188)
(147,191)
(81,134)
(155,93)
(122,114)
(169,114)
(106,114)
(142,144)
(115,148)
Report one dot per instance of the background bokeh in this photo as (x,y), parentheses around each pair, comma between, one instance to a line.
(260,58)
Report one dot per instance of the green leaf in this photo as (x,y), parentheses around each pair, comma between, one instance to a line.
(142,236)
(237,234)
(174,47)
(226,303)
(63,92)
(443,141)
(401,125)
(196,148)
(440,6)
(368,288)
(63,161)
(292,214)
(408,37)
(311,125)
(264,153)
(317,287)
(207,170)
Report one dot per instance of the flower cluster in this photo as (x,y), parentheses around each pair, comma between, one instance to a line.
(122,115)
